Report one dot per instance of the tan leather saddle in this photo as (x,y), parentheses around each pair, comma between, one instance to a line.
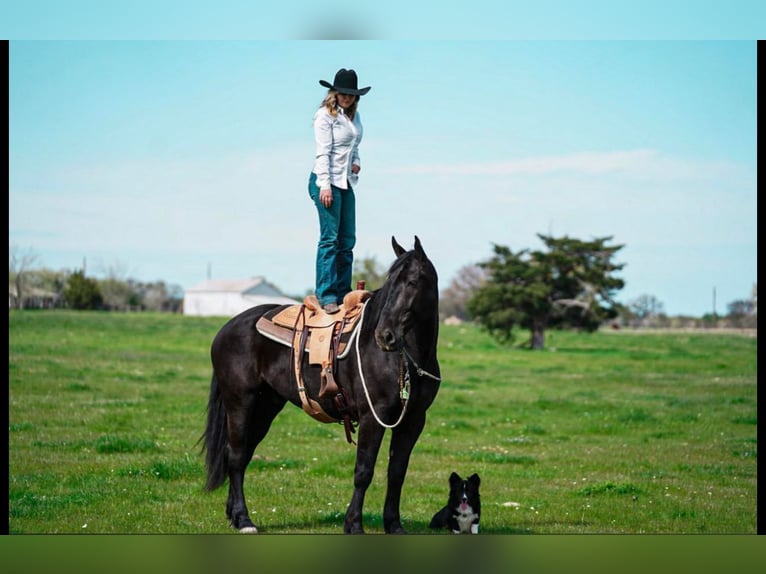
(307,328)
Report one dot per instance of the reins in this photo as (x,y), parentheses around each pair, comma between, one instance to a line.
(418,369)
(404,377)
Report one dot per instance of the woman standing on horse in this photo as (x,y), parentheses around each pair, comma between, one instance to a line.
(337,133)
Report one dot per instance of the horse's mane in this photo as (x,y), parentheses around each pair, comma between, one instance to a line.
(393,272)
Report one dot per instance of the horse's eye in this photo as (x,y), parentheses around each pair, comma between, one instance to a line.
(412,283)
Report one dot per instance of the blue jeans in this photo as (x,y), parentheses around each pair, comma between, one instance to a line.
(337,237)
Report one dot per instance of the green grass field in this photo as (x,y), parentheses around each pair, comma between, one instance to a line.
(613,432)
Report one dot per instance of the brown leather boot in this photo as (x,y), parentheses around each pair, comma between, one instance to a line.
(331,308)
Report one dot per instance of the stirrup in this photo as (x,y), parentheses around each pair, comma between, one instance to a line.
(328,384)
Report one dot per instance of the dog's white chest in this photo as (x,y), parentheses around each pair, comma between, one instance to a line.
(465,521)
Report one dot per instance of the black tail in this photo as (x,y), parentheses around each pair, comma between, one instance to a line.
(215,439)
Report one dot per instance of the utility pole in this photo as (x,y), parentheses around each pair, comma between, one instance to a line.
(715,317)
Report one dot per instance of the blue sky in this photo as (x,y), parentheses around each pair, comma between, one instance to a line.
(170,159)
(390,20)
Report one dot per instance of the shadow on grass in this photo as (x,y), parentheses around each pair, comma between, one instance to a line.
(373,524)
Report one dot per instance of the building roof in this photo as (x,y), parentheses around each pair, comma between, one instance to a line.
(231,296)
(252,285)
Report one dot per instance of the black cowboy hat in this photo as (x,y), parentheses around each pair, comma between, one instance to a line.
(345,83)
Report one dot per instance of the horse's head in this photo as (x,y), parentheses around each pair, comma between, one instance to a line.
(410,297)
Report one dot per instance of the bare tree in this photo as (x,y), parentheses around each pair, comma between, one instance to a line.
(368,269)
(453,300)
(114,287)
(19,263)
(754,298)
(743,313)
(646,309)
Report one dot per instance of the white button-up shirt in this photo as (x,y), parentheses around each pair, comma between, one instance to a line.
(337,148)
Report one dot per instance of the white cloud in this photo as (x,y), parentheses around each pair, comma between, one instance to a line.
(643,163)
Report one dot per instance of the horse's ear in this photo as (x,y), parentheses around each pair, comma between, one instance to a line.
(398,249)
(419,248)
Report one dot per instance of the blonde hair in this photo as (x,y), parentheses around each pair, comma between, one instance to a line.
(330,103)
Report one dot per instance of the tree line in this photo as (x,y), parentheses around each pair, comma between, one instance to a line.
(48,289)
(568,284)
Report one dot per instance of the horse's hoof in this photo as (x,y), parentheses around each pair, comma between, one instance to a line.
(244,526)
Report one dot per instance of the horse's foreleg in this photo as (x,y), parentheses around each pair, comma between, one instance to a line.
(368,445)
(403,439)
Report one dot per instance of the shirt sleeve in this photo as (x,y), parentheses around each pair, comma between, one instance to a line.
(323,138)
(355,159)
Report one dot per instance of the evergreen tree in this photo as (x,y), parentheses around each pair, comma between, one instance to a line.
(82,293)
(569,285)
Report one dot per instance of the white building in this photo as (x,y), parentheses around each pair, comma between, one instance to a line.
(229,297)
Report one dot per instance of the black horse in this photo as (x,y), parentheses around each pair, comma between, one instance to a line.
(253,378)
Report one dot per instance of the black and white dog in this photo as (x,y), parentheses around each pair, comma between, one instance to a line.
(463,510)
